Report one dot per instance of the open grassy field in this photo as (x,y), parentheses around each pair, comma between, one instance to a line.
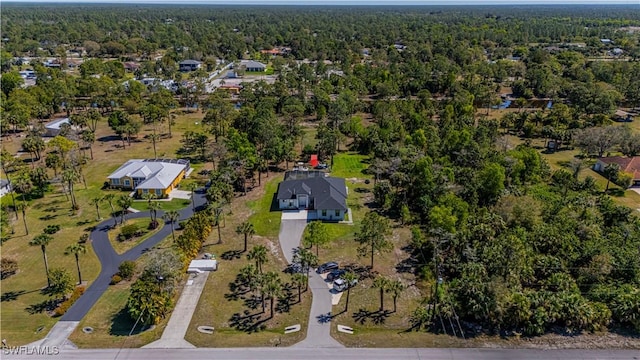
(349,165)
(23,319)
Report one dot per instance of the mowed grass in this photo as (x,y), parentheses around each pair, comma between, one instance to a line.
(266,222)
(349,165)
(173,204)
(217,305)
(22,291)
(123,246)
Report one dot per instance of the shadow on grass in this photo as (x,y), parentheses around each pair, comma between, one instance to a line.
(378,317)
(231,255)
(46,305)
(248,322)
(11,295)
(122,324)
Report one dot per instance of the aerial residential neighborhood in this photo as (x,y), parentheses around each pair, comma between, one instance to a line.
(317,181)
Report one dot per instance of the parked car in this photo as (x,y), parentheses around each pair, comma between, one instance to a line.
(335,274)
(340,285)
(331,265)
(322,166)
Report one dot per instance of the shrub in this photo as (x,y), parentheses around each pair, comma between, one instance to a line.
(51,229)
(115,279)
(126,269)
(129,231)
(8,267)
(65,305)
(153,225)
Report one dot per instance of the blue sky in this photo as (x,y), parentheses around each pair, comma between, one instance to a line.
(353,2)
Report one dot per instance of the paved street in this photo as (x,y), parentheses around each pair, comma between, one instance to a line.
(297,353)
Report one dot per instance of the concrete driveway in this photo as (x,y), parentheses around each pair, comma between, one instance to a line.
(318,332)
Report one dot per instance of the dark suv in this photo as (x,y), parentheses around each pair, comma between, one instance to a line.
(331,265)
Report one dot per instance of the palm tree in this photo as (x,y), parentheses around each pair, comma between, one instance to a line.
(272,288)
(217,211)
(43,240)
(381,283)
(258,254)
(110,197)
(395,287)
(171,217)
(76,249)
(306,259)
(23,209)
(125,202)
(96,201)
(298,280)
(154,138)
(70,176)
(192,187)
(245,228)
(349,278)
(23,185)
(154,206)
(611,172)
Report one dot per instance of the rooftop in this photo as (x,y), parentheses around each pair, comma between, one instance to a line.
(159,173)
(629,165)
(329,193)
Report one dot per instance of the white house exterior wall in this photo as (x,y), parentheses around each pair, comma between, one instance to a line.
(331,215)
(288,204)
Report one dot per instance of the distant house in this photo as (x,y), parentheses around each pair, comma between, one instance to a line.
(629,165)
(5,187)
(313,191)
(131,66)
(154,176)
(622,116)
(231,88)
(255,66)
(606,41)
(190,65)
(53,128)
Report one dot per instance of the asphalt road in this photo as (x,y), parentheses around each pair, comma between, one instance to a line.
(325,354)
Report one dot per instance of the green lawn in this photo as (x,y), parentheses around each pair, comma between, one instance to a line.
(265,221)
(349,165)
(173,204)
(20,315)
(123,246)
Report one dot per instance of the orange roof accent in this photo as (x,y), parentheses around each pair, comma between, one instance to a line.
(629,165)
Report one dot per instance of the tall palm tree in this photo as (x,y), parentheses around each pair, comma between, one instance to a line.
(71,176)
(171,217)
(306,258)
(381,283)
(154,138)
(23,209)
(43,240)
(349,278)
(110,198)
(273,289)
(96,201)
(246,229)
(298,280)
(395,287)
(258,254)
(154,206)
(76,249)
(125,202)
(192,187)
(217,209)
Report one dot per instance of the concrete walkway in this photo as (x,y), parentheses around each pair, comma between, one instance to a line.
(58,336)
(318,331)
(176,330)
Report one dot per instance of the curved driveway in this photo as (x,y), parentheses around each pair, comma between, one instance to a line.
(109,261)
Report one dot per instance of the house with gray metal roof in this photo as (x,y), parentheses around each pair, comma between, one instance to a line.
(315,192)
(54,127)
(189,65)
(255,66)
(154,176)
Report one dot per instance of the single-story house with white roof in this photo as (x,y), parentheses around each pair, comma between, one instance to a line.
(154,176)
(53,128)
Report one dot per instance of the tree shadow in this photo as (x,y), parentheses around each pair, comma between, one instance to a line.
(363,272)
(377,317)
(48,217)
(247,322)
(122,323)
(46,305)
(237,288)
(11,295)
(289,298)
(231,255)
